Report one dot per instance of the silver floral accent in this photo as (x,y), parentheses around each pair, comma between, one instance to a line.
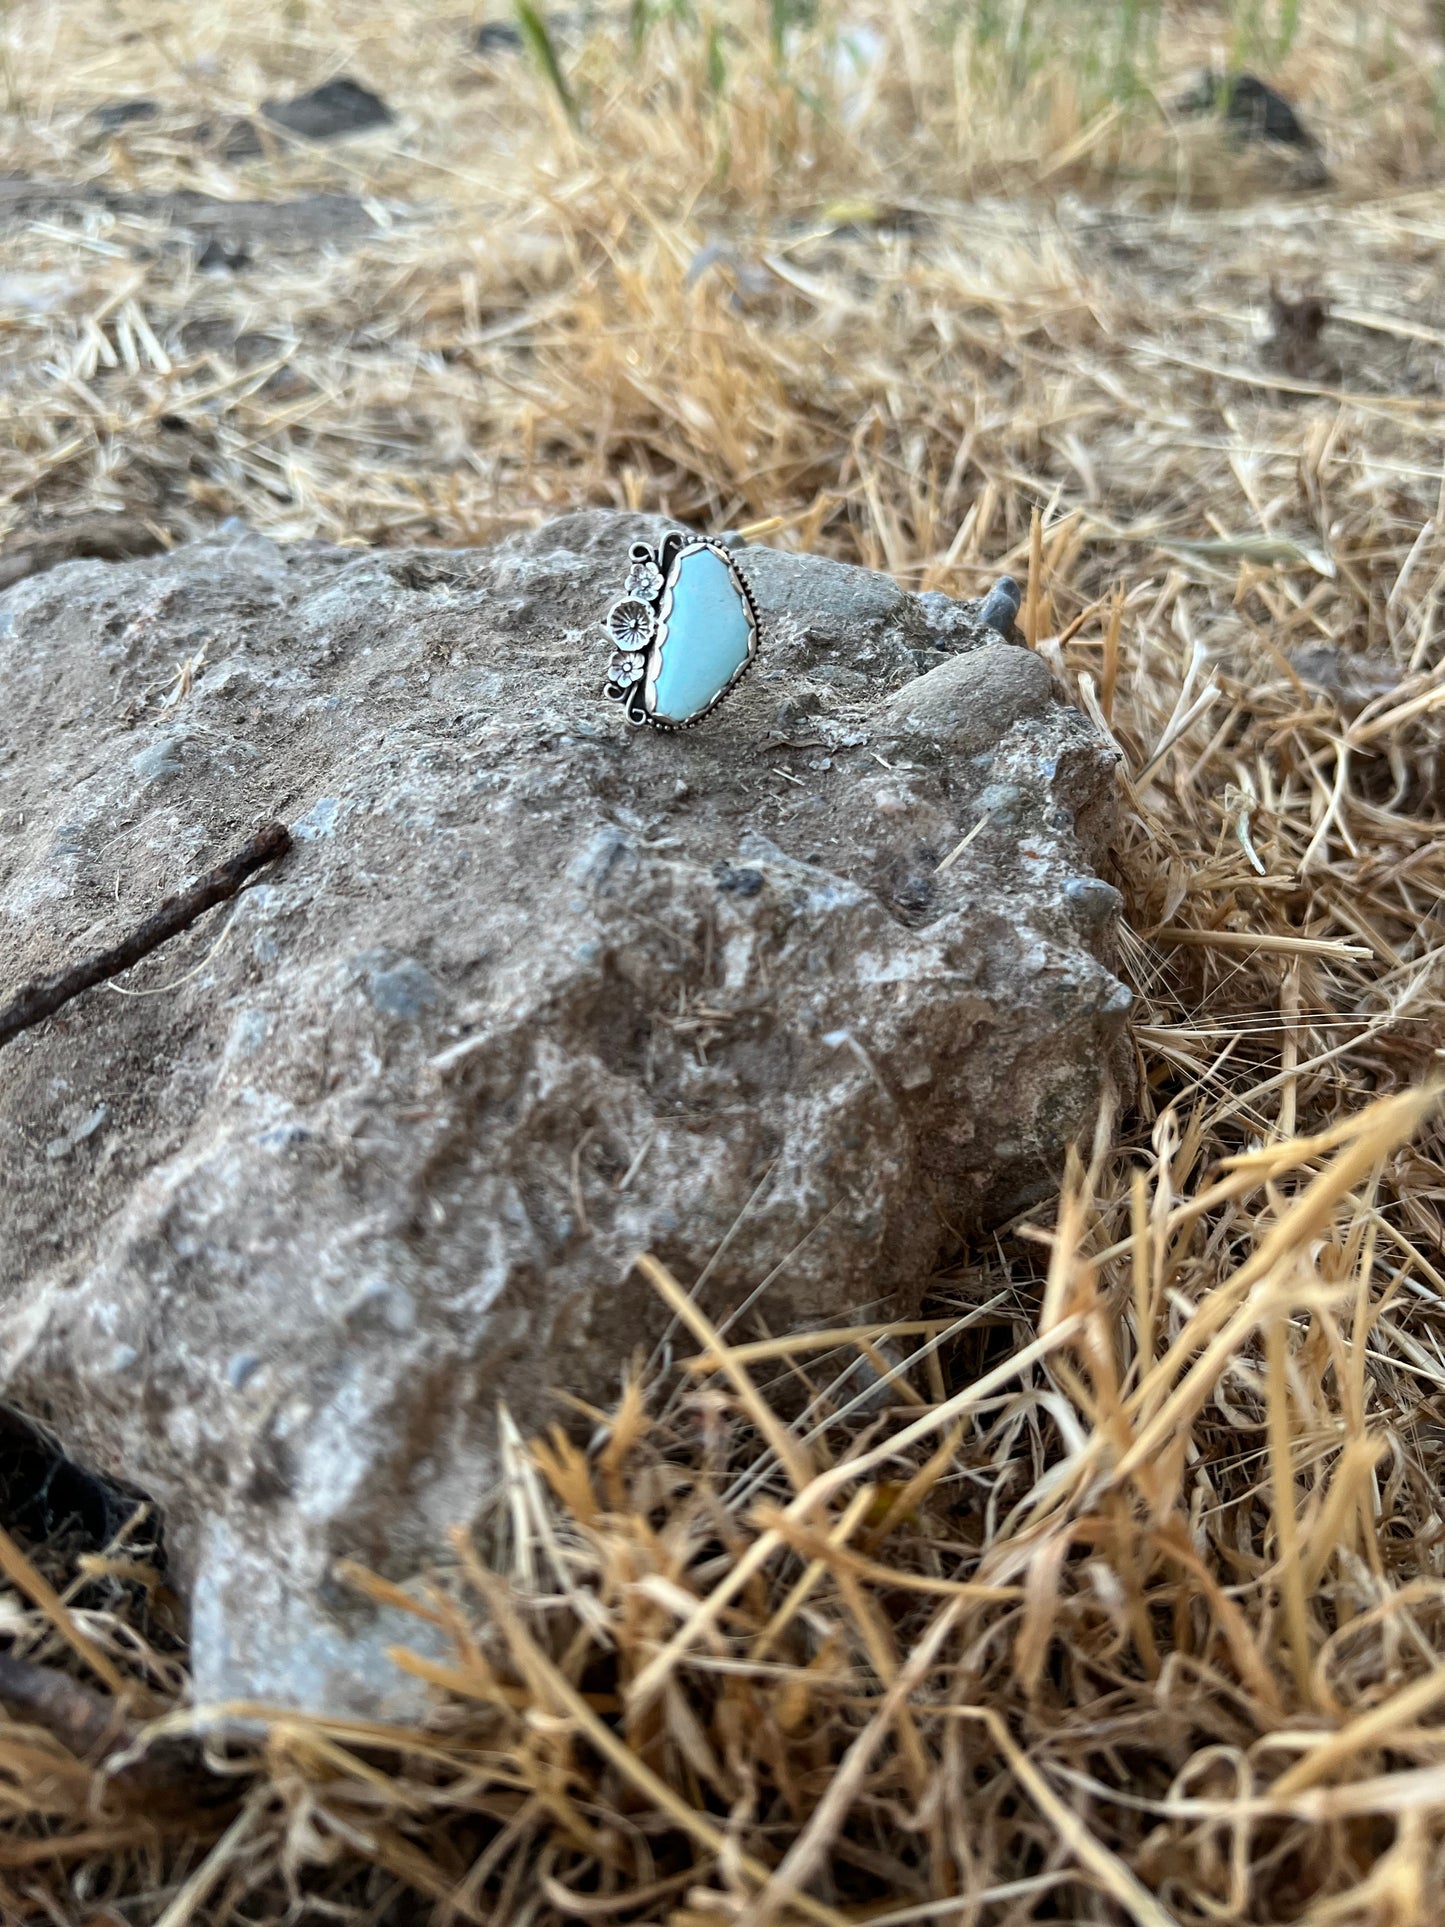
(644,581)
(626,669)
(630,622)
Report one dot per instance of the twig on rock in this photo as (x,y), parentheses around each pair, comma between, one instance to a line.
(46,995)
(86,1723)
(96,1730)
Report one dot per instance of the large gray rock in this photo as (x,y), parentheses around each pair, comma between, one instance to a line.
(531,994)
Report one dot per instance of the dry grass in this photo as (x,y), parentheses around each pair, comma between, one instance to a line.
(1114,1593)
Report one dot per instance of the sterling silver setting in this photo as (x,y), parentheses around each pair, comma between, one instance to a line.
(637,625)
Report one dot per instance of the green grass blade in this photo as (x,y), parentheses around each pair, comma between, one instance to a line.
(779,14)
(539,44)
(717,75)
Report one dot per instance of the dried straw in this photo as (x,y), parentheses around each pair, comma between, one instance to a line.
(1111,1591)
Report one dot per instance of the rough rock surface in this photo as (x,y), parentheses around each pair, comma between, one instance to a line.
(532,992)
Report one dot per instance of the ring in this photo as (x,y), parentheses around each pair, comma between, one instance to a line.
(684,631)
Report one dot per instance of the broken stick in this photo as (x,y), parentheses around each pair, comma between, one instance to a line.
(95,1729)
(46,995)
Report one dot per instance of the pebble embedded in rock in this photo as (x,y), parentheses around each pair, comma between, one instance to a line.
(1097,903)
(741,882)
(402,990)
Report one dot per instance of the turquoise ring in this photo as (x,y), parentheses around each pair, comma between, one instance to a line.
(684,631)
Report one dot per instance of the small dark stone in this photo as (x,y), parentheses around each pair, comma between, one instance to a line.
(1000,606)
(1253,109)
(1093,901)
(239,140)
(124,113)
(742,883)
(496,37)
(1296,324)
(337,107)
(220,256)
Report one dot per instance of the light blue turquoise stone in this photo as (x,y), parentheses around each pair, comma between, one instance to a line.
(707,637)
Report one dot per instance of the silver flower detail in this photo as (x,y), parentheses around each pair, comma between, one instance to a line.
(644,581)
(630,623)
(626,669)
